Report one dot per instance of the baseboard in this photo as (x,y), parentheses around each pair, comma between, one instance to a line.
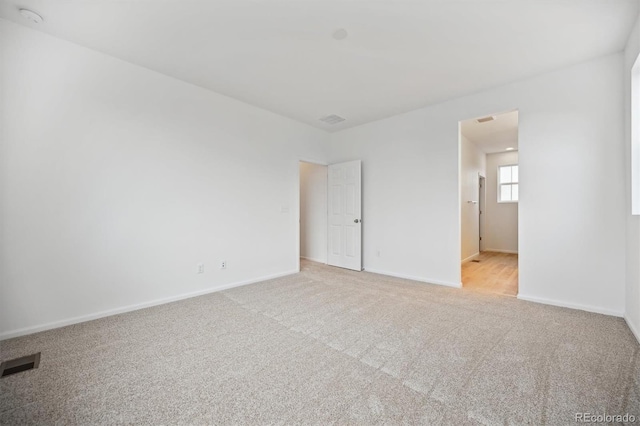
(633,328)
(470,258)
(501,251)
(135,307)
(313,259)
(578,306)
(414,278)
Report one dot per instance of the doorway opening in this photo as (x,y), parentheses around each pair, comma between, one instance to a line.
(312,222)
(330,214)
(489,194)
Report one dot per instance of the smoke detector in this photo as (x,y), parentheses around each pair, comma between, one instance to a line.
(340,34)
(332,119)
(31,15)
(486,119)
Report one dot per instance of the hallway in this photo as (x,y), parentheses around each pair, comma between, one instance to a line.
(494,273)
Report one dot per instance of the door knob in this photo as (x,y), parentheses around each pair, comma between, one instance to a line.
(356,221)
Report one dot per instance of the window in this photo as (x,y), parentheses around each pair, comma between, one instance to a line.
(508,183)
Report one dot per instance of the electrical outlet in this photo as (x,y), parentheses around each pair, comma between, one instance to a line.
(223,264)
(201,268)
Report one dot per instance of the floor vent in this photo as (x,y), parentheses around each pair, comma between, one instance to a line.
(18,365)
(475,261)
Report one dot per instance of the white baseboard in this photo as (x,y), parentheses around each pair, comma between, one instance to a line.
(635,330)
(83,318)
(313,259)
(414,278)
(561,304)
(470,258)
(501,251)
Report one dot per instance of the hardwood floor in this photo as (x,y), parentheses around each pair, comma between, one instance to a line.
(494,273)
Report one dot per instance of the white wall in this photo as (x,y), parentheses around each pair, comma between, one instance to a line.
(472,163)
(632,309)
(501,219)
(117,181)
(570,130)
(410,201)
(313,212)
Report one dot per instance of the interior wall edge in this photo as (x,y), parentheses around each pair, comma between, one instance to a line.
(635,330)
(563,304)
(129,308)
(415,278)
(314,259)
(470,258)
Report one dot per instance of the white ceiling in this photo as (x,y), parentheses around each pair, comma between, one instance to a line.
(398,56)
(493,136)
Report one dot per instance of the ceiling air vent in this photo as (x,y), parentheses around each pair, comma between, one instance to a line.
(486,119)
(332,119)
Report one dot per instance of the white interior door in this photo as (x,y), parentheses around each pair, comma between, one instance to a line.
(344,248)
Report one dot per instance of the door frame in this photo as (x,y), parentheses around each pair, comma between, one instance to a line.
(482,201)
(297,202)
(459,240)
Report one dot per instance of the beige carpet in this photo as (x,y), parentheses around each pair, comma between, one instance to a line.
(329,346)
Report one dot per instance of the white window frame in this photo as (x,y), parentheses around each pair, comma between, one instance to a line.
(511,183)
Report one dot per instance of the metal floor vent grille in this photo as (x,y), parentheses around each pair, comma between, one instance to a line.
(18,365)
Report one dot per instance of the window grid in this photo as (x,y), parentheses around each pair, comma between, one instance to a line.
(508,190)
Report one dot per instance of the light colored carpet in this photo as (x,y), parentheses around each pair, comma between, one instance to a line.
(329,346)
